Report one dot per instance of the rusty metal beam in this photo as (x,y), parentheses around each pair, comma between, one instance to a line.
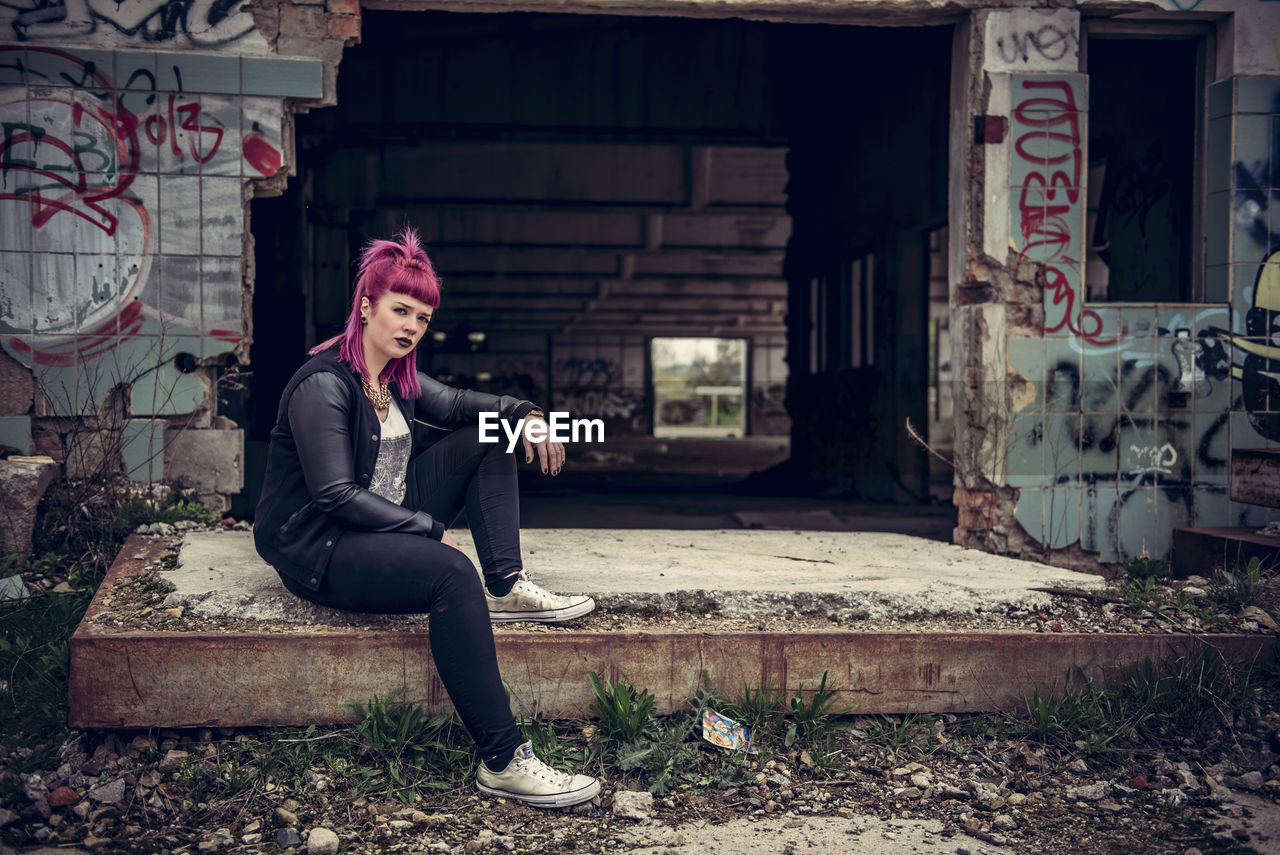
(139,679)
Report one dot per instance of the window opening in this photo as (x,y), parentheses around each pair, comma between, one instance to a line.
(1143,107)
(699,386)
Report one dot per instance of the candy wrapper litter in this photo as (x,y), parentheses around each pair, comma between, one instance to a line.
(725,732)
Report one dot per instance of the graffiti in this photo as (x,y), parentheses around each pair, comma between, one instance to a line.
(1259,350)
(1143,385)
(261,154)
(1128,441)
(1253,200)
(204,23)
(69,156)
(1132,434)
(602,403)
(593,388)
(84,164)
(1144,459)
(1049,154)
(510,382)
(587,372)
(1048,41)
(203,140)
(1201,361)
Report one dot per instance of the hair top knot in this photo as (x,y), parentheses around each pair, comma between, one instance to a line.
(399,266)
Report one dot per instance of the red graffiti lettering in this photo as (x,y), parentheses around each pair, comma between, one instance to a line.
(163,127)
(1049,205)
(157,129)
(261,155)
(191,122)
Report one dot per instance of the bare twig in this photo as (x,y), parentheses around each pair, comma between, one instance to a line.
(983,835)
(915,435)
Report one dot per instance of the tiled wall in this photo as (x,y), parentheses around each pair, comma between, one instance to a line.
(1123,416)
(122,220)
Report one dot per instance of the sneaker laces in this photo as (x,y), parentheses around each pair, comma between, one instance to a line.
(529,764)
(532,589)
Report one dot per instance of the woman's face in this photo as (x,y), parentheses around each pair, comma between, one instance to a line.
(396,325)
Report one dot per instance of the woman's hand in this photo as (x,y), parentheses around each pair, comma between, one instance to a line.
(449,541)
(550,454)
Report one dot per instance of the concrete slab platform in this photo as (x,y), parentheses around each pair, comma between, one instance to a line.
(292,673)
(843,575)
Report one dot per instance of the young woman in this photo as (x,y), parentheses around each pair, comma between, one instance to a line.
(353,516)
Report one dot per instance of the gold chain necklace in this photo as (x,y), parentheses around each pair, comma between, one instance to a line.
(380,398)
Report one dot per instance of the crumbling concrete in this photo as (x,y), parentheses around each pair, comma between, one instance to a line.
(23,481)
(845,575)
(207,461)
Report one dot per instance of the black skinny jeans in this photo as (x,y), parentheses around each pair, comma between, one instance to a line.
(391,573)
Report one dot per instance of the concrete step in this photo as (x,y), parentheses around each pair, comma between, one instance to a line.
(304,667)
(1204,550)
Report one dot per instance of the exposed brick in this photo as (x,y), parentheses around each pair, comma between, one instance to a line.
(982,499)
(45,439)
(978,520)
(303,21)
(344,7)
(17,387)
(1027,316)
(266,18)
(971,293)
(345,26)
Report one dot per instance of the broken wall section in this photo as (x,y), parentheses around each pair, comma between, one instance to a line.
(1088,431)
(135,136)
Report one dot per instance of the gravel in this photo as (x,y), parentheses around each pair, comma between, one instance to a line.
(948,793)
(116,792)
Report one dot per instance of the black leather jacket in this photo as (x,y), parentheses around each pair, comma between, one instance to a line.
(321,459)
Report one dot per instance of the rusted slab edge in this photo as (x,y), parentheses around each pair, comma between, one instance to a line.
(148,679)
(194,679)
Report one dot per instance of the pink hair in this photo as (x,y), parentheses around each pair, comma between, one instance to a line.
(402,267)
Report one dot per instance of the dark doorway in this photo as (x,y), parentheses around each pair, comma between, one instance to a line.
(589,183)
(1142,153)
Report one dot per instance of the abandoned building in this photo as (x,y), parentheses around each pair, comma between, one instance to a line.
(1040,239)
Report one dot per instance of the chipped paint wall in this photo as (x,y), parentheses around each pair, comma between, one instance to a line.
(133,135)
(1090,430)
(134,132)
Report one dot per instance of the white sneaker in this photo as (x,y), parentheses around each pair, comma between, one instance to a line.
(528,779)
(526,601)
